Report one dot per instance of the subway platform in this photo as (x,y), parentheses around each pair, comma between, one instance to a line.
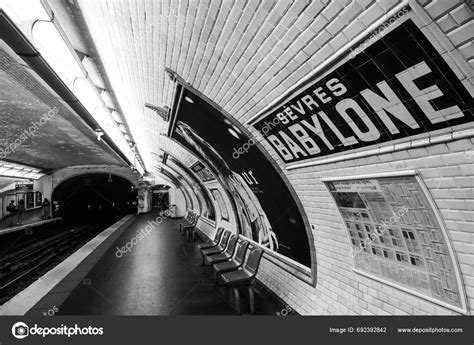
(31,219)
(160,274)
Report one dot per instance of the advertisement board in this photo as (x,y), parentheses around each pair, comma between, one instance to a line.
(220,201)
(395,235)
(266,211)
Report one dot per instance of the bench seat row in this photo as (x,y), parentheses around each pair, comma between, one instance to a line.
(235,262)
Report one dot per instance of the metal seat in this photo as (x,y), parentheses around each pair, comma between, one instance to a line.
(226,255)
(186,221)
(244,276)
(213,243)
(233,263)
(189,230)
(217,249)
(187,225)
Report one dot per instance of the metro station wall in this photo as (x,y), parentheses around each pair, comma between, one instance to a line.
(450,178)
(177,198)
(447,170)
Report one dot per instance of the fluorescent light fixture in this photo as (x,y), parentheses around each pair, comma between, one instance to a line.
(52,47)
(107,98)
(190,100)
(116,116)
(16,170)
(93,72)
(86,94)
(99,133)
(50,41)
(23,12)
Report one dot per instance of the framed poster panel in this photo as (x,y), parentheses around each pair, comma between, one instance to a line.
(266,209)
(397,236)
(204,174)
(30,200)
(220,201)
(39,200)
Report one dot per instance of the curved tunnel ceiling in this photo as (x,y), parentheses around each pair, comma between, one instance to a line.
(136,44)
(229,53)
(48,135)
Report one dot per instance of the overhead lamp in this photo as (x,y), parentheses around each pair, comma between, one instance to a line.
(116,116)
(109,180)
(99,133)
(17,170)
(107,97)
(88,96)
(161,111)
(188,99)
(170,73)
(76,70)
(22,12)
(52,47)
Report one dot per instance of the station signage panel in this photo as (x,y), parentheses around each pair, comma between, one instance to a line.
(396,88)
(22,185)
(396,236)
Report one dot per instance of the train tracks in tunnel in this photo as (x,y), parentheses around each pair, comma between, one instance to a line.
(21,265)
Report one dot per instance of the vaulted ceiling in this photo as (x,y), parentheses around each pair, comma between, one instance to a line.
(241,54)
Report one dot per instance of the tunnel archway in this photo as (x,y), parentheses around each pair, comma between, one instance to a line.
(95,197)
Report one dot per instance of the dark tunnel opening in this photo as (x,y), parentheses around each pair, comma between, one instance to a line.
(94,198)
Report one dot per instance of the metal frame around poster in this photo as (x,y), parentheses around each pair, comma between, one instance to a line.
(306,274)
(442,225)
(216,190)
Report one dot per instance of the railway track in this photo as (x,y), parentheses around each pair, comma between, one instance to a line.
(21,265)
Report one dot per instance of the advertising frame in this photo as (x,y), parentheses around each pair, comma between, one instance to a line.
(457,269)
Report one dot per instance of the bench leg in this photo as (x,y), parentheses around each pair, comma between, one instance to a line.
(237,300)
(252,300)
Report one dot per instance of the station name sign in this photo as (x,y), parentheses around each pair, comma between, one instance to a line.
(23,185)
(398,87)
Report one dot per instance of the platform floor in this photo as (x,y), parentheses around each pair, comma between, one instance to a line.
(30,218)
(161,275)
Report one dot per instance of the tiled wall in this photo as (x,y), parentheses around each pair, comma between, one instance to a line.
(450,178)
(447,170)
(243,55)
